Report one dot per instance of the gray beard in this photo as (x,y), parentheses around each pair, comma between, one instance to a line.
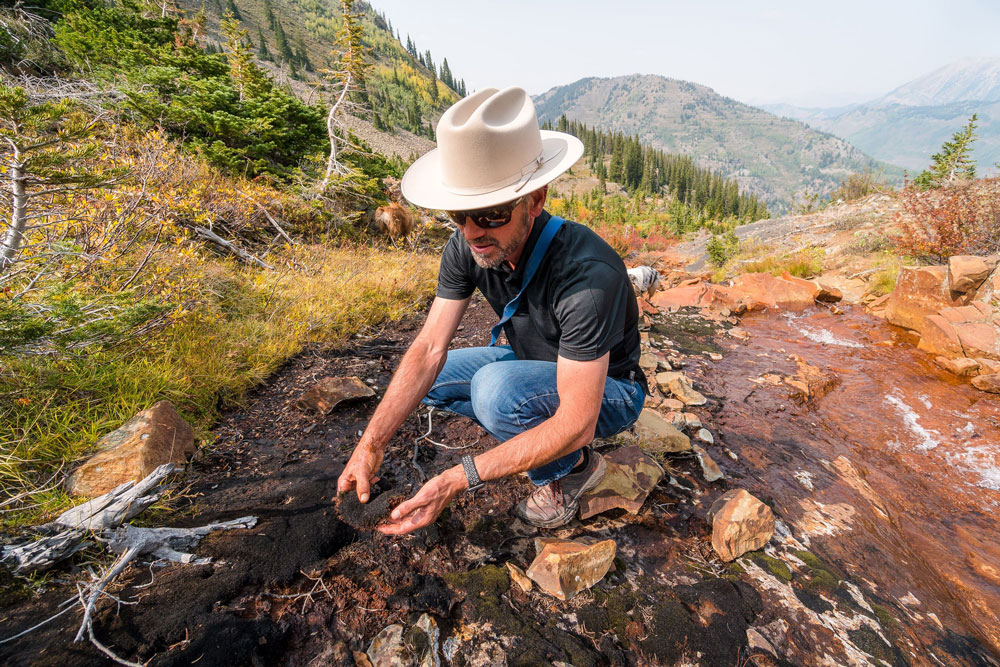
(505,250)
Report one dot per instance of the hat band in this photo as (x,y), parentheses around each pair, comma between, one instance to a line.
(521,178)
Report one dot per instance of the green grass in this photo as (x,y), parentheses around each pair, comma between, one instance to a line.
(242,324)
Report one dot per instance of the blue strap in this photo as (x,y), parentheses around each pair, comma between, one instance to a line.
(537,253)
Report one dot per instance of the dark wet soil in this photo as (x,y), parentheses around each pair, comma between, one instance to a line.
(304,580)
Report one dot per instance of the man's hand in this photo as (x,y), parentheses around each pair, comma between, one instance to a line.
(427,504)
(360,471)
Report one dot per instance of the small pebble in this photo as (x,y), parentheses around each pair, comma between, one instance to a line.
(705,436)
(731,454)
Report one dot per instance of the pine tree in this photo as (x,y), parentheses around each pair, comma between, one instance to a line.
(262,51)
(233,9)
(281,43)
(446,74)
(430,63)
(953,161)
(250,80)
(269,14)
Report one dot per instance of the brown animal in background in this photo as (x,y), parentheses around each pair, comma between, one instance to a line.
(395,220)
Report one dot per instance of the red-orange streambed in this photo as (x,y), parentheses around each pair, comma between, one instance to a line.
(894,474)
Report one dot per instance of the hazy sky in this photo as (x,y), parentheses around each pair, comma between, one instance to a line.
(804,52)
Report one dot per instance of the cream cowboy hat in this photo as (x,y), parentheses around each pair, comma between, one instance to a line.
(490,151)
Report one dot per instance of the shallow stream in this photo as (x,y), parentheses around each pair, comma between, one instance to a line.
(894,474)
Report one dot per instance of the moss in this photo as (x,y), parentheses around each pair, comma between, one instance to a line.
(869,641)
(734,570)
(609,613)
(777,567)
(821,581)
(885,618)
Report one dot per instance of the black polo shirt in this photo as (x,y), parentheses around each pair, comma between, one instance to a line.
(579,305)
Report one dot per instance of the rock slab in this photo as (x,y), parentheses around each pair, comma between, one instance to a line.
(563,568)
(153,437)
(630,478)
(326,394)
(657,435)
(740,523)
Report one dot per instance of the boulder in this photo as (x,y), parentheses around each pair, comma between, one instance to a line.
(989,383)
(938,337)
(676,383)
(740,523)
(820,291)
(151,438)
(563,568)
(659,436)
(709,468)
(962,331)
(765,289)
(680,297)
(967,272)
(326,394)
(920,291)
(962,366)
(630,478)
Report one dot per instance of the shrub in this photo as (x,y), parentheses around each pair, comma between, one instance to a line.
(861,185)
(721,248)
(963,218)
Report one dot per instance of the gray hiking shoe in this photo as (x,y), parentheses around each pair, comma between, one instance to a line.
(556,503)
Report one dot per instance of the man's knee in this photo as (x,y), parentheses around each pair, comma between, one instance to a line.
(508,401)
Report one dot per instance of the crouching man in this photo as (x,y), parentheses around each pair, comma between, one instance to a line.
(565,303)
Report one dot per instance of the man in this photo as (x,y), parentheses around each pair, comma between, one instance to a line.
(571,369)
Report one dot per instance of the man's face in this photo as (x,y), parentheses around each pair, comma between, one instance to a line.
(491,247)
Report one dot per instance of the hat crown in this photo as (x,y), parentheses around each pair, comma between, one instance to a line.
(488,140)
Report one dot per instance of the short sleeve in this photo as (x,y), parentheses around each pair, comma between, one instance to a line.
(590,308)
(454,279)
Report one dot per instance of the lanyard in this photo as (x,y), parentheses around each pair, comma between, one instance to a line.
(537,253)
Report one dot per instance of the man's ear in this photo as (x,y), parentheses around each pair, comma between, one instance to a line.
(538,201)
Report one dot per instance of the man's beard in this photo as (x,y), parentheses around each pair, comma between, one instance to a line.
(502,251)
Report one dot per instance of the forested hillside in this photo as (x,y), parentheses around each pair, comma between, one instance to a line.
(779,160)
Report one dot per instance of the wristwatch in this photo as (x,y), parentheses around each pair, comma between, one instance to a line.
(471,474)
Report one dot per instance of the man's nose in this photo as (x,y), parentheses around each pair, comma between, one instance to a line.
(472,231)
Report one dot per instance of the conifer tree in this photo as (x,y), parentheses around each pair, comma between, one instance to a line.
(953,161)
(430,63)
(250,79)
(281,43)
(233,9)
(262,51)
(269,14)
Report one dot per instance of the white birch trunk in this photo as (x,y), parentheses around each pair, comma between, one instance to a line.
(18,217)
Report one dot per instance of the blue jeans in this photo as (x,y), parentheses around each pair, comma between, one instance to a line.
(507,396)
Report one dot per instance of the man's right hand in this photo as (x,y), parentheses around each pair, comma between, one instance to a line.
(360,471)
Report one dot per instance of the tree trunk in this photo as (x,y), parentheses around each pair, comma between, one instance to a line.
(331,125)
(18,217)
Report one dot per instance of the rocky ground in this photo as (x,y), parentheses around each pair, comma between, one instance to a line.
(303,587)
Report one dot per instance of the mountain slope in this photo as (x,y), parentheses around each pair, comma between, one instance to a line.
(961,81)
(771,157)
(907,125)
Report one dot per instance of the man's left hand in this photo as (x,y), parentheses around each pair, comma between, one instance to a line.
(426,505)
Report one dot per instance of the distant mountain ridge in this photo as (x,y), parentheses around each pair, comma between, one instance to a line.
(769,156)
(908,124)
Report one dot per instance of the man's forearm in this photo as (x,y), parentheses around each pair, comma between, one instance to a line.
(555,437)
(411,382)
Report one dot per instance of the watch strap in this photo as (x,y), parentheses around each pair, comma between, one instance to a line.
(471,474)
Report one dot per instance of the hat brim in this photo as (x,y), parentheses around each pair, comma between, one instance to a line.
(422,183)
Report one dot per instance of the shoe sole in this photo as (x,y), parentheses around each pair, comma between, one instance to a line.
(566,517)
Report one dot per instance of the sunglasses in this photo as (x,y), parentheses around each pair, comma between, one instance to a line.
(487,218)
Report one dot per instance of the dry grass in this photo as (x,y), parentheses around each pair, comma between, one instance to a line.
(235,327)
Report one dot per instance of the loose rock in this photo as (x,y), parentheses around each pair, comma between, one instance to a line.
(563,568)
(388,648)
(705,436)
(967,272)
(326,394)
(150,439)
(658,436)
(962,367)
(989,383)
(519,577)
(709,468)
(740,523)
(630,478)
(680,386)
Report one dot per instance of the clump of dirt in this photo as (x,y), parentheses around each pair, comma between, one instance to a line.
(366,516)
